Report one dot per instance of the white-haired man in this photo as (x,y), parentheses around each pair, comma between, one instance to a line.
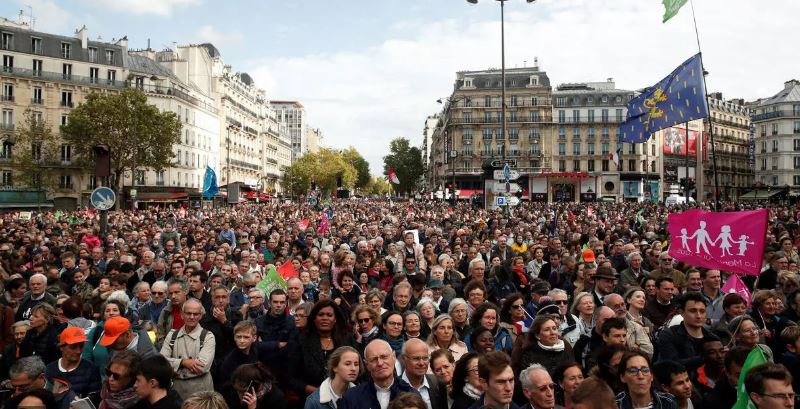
(190,350)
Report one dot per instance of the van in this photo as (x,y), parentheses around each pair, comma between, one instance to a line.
(674,200)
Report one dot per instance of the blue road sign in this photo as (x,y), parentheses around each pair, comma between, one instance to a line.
(103,198)
(500,201)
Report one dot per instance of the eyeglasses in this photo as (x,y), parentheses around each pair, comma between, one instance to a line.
(560,302)
(516,306)
(374,360)
(420,358)
(157,292)
(364,320)
(113,375)
(786,397)
(394,324)
(636,371)
(666,260)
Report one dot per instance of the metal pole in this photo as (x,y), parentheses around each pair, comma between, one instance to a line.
(503,78)
(686,162)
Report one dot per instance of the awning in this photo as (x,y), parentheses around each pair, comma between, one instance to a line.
(25,205)
(467,193)
(162,197)
(759,194)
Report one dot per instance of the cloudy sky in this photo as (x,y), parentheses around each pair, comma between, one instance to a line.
(372,70)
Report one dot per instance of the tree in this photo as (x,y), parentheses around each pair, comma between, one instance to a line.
(35,158)
(378,186)
(324,168)
(138,135)
(406,160)
(352,156)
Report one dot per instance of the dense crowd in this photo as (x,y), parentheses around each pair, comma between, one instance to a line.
(398,305)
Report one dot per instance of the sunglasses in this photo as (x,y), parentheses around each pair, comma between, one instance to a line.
(157,292)
(364,320)
(516,306)
(561,302)
(113,375)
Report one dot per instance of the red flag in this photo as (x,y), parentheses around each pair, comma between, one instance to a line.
(731,241)
(287,271)
(736,285)
(302,225)
(392,176)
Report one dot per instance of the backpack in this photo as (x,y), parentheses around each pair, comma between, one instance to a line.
(174,336)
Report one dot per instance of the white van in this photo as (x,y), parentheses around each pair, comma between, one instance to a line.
(674,200)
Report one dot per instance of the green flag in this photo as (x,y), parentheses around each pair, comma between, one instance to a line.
(271,281)
(671,8)
(755,358)
(59,213)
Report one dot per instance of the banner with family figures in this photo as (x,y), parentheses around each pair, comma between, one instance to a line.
(730,241)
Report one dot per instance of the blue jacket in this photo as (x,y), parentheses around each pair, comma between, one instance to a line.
(322,398)
(365,396)
(502,341)
(83,380)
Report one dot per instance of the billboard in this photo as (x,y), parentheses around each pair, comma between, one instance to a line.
(675,141)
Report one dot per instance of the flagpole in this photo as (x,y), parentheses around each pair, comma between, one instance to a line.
(686,163)
(708,112)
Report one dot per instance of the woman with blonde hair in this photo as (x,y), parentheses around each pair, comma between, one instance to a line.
(443,336)
(344,367)
(582,311)
(205,400)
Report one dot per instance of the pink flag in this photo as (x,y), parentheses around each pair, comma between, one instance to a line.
(730,241)
(736,285)
(302,225)
(323,225)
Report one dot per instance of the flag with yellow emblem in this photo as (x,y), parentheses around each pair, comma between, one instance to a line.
(678,98)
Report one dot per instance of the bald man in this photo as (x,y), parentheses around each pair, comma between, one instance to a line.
(382,387)
(415,356)
(588,345)
(637,339)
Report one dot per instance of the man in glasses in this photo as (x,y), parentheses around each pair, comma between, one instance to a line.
(665,269)
(191,350)
(82,375)
(416,357)
(119,335)
(26,374)
(636,337)
(382,386)
(151,310)
(538,387)
(770,386)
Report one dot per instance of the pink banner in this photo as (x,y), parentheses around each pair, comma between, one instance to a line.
(730,241)
(736,285)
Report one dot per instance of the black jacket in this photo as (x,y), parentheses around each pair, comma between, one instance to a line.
(723,396)
(43,344)
(307,361)
(675,344)
(24,310)
(272,330)
(171,401)
(365,396)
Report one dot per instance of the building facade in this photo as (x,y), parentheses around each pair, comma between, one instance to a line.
(314,137)
(427,142)
(292,114)
(469,131)
(730,124)
(777,139)
(49,75)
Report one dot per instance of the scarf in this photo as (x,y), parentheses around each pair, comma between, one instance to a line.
(471,391)
(520,272)
(558,347)
(123,399)
(370,333)
(395,343)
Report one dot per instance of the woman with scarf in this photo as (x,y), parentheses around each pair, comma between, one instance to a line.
(513,311)
(118,390)
(443,336)
(392,323)
(346,292)
(466,388)
(637,378)
(543,345)
(252,386)
(344,366)
(366,325)
(458,310)
(582,310)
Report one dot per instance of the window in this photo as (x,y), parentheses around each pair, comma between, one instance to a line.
(36,151)
(774,162)
(796,127)
(140,177)
(487,101)
(561,101)
(632,148)
(92,183)
(487,134)
(36,45)
(774,129)
(562,149)
(66,153)
(576,165)
(605,133)
(467,134)
(562,133)
(796,180)
(797,145)
(512,116)
(562,166)
(467,116)
(466,164)
(6,150)
(534,134)
(112,77)
(605,99)
(562,116)
(591,133)
(64,119)
(37,68)
(576,148)
(763,146)
(66,99)
(498,133)
(632,165)
(92,54)
(514,100)
(535,102)
(653,166)
(535,116)
(775,146)
(590,165)
(467,151)
(7,178)
(796,162)
(763,163)
(644,166)
(8,63)
(590,148)
(619,115)
(576,116)
(110,57)
(65,50)
(94,72)
(604,114)
(604,148)
(535,163)
(66,70)
(487,117)
(8,92)
(487,149)
(576,133)
(36,97)
(536,149)
(513,133)
(604,165)
(8,119)
(652,150)
(590,115)
(38,118)
(7,41)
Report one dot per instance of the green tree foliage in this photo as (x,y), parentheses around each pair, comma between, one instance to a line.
(323,168)
(352,156)
(35,160)
(406,160)
(138,134)
(378,186)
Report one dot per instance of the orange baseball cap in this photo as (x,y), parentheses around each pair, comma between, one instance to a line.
(113,328)
(72,335)
(588,256)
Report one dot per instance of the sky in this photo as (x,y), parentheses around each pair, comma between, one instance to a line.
(369,71)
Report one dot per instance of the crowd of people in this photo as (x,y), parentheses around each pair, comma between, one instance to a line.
(414,304)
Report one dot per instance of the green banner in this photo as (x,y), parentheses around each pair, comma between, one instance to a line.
(755,358)
(671,8)
(272,281)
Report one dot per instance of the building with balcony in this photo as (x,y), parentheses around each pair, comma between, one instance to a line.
(277,149)
(730,124)
(292,114)
(586,120)
(469,130)
(49,75)
(427,141)
(776,122)
(314,138)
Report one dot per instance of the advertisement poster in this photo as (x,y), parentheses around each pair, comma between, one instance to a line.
(675,141)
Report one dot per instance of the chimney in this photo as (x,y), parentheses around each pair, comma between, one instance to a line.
(83,35)
(716,95)
(536,63)
(123,42)
(791,83)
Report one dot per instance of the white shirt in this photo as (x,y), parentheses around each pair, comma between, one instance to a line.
(424,389)
(384,395)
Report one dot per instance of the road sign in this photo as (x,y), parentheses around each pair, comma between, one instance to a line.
(507,172)
(501,163)
(500,201)
(506,201)
(500,187)
(513,175)
(103,198)
(512,200)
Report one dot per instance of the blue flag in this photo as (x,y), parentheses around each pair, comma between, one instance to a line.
(678,98)
(210,187)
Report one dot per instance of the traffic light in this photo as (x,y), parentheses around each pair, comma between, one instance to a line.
(690,184)
(683,184)
(102,160)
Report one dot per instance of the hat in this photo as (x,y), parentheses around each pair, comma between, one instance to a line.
(588,256)
(549,309)
(605,273)
(72,335)
(733,325)
(540,287)
(435,283)
(113,328)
